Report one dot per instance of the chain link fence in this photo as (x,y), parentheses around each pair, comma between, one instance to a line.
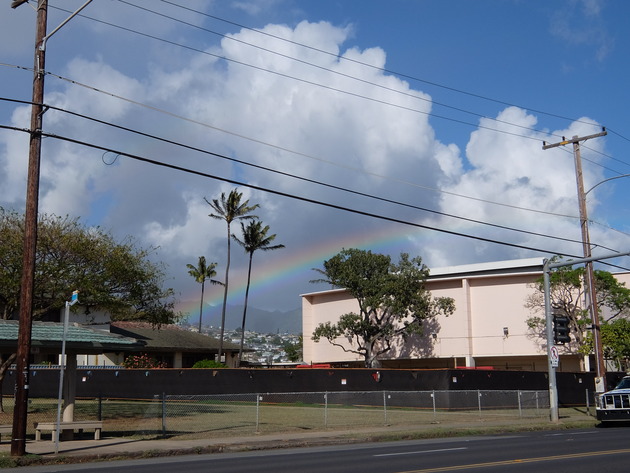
(247,414)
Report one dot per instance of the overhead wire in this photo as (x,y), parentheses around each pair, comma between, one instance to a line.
(383,69)
(384,102)
(455,108)
(335,72)
(309,180)
(285,194)
(281,148)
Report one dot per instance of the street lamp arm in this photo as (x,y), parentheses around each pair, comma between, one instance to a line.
(606,180)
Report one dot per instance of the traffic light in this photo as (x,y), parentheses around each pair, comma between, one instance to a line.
(561,329)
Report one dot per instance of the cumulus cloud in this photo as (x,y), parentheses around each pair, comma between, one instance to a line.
(310,119)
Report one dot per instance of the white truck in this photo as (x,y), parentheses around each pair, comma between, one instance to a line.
(614,405)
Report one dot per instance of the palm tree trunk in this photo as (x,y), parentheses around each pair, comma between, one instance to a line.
(225,295)
(203,283)
(249,274)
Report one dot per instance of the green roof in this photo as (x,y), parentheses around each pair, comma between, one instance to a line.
(49,336)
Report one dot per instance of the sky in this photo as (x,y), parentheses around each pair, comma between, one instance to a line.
(411,126)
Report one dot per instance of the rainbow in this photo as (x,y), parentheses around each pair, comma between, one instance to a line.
(285,265)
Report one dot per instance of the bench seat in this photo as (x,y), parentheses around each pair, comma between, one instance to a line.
(79,425)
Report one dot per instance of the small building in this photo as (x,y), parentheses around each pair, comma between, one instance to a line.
(174,346)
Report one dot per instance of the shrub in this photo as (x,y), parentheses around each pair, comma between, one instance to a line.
(209,364)
(142,361)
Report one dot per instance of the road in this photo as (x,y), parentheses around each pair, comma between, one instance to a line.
(575,451)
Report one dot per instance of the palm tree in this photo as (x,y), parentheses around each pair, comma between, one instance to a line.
(229,208)
(201,273)
(254,238)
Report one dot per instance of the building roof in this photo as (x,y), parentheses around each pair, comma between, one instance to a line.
(529,265)
(170,338)
(48,337)
(490,268)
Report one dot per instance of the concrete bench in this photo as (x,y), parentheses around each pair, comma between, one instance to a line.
(5,429)
(79,425)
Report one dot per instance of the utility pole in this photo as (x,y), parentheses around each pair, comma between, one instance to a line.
(22,367)
(589,278)
(18,439)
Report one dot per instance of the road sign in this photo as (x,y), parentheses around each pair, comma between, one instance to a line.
(554,356)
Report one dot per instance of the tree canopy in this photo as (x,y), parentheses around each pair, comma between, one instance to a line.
(392,299)
(117,277)
(567,298)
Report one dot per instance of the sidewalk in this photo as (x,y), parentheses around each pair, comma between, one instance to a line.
(121,447)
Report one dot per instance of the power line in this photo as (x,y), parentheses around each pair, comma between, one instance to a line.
(333,163)
(385,70)
(285,194)
(313,181)
(317,84)
(334,72)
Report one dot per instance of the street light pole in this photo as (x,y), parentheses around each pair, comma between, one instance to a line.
(62,364)
(547,267)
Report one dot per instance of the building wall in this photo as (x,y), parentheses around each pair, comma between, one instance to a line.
(488,327)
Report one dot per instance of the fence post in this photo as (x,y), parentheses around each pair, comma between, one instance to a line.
(163,414)
(588,403)
(326,410)
(479,401)
(99,411)
(520,409)
(257,411)
(434,411)
(385,405)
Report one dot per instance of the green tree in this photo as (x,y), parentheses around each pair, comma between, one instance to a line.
(566,287)
(229,208)
(117,277)
(201,273)
(392,299)
(294,350)
(255,238)
(616,342)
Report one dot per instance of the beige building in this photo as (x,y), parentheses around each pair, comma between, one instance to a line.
(488,328)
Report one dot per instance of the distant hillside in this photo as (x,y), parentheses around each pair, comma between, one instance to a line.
(258,320)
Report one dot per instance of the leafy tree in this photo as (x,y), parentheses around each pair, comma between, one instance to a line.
(294,350)
(393,302)
(117,277)
(114,276)
(201,273)
(616,342)
(566,286)
(254,238)
(229,208)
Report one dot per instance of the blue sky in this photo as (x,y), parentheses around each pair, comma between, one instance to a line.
(439,105)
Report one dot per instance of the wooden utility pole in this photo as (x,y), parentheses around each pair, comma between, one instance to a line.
(589,278)
(18,439)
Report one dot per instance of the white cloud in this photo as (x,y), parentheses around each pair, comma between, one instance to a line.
(373,139)
(580,23)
